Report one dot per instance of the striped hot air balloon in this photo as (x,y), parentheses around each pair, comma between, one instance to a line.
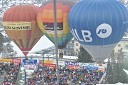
(45,19)
(21,26)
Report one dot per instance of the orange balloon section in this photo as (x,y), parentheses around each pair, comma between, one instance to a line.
(21,26)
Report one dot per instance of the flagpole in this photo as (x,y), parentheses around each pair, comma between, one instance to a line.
(43,68)
(56,43)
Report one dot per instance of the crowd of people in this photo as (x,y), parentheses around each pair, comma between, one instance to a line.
(49,76)
(11,72)
(66,76)
(36,78)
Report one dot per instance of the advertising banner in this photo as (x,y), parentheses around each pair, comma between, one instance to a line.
(5,60)
(46,61)
(50,65)
(17,61)
(73,67)
(90,67)
(17,25)
(32,67)
(29,62)
(72,63)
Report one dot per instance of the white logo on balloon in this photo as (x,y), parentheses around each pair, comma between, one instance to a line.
(104,30)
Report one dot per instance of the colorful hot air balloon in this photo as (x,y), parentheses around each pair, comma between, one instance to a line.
(21,26)
(45,19)
(98,25)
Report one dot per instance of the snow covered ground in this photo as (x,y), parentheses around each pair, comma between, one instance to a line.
(113,84)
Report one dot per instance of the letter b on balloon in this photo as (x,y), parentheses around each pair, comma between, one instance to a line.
(87,36)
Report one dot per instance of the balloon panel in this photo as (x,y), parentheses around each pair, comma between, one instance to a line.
(98,25)
(45,20)
(100,52)
(22,28)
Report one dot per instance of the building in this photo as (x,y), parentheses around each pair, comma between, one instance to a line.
(121,45)
(76,47)
(69,49)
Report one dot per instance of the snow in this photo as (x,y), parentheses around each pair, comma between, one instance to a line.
(126,71)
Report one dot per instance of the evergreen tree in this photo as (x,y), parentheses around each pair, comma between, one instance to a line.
(84,56)
(122,77)
(5,43)
(115,71)
(111,70)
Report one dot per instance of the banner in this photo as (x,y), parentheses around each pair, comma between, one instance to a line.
(72,63)
(16,61)
(73,67)
(32,67)
(50,65)
(29,62)
(5,60)
(46,61)
(90,67)
(17,25)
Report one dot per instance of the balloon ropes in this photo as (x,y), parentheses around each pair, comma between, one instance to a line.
(21,26)
(98,25)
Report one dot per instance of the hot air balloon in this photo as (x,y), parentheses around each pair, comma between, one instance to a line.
(98,25)
(45,19)
(21,26)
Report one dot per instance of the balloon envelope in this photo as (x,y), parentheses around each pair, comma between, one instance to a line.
(98,25)
(21,26)
(45,19)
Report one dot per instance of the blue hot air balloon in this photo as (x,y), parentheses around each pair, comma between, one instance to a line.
(98,25)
